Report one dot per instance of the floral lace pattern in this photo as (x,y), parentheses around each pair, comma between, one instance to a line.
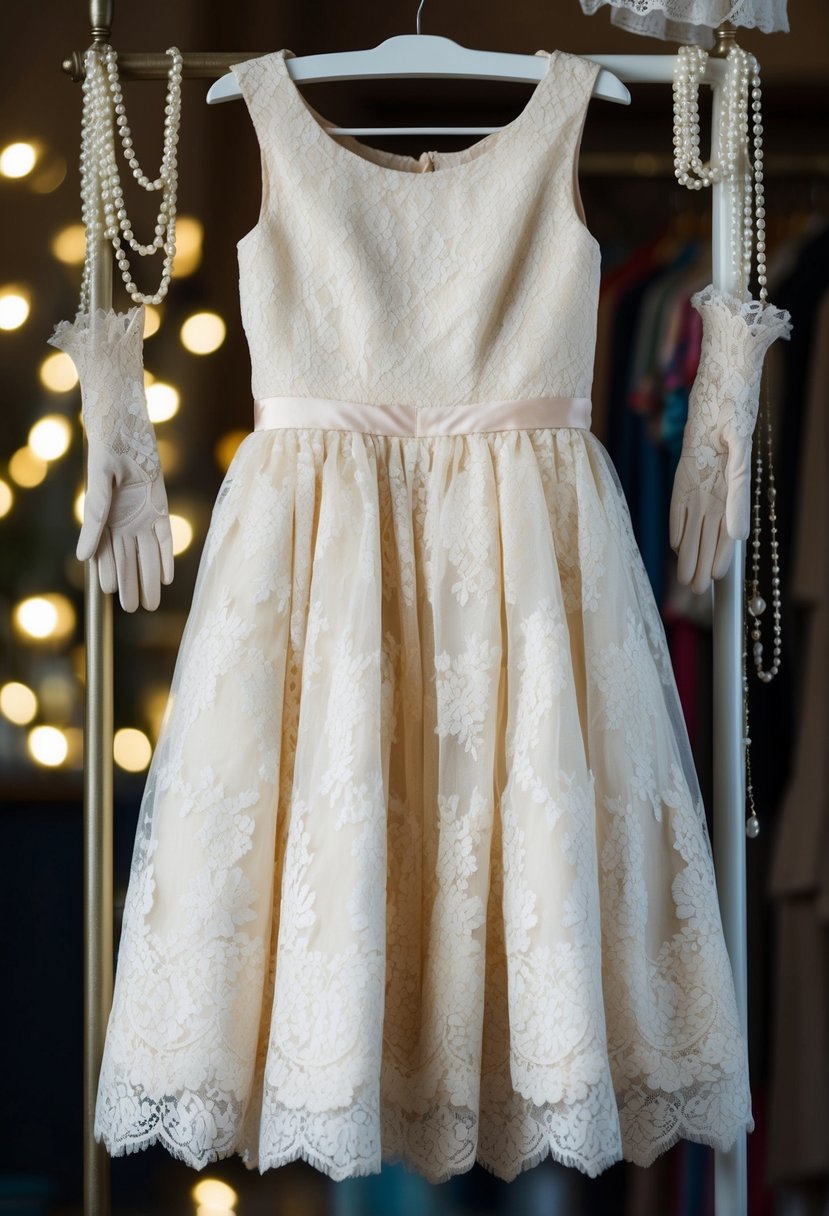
(107,350)
(421,872)
(735,337)
(713,474)
(431,898)
(387,302)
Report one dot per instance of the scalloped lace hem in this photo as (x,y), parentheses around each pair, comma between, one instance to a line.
(592,1166)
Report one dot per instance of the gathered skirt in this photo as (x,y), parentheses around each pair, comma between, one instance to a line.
(422,871)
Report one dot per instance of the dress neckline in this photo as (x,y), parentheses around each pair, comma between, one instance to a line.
(462,159)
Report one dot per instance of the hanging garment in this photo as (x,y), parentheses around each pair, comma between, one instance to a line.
(422,871)
(692,21)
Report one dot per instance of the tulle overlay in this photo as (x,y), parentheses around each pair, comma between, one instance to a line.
(422,872)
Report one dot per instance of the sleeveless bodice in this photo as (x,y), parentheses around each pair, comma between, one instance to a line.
(453,277)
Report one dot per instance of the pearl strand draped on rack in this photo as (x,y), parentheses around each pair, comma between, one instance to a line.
(126,524)
(742,172)
(101,189)
(731,162)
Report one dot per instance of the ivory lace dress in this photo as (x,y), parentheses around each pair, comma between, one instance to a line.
(422,871)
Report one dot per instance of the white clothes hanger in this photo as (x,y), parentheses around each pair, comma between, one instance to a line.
(419,55)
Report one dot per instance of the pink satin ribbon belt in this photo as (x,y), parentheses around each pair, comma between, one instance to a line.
(330,413)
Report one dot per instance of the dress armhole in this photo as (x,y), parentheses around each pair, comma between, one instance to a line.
(580,121)
(251,90)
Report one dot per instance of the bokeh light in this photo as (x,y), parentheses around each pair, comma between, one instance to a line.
(214,1195)
(14,307)
(162,401)
(6,498)
(203,333)
(69,245)
(57,372)
(131,749)
(182,531)
(47,745)
(153,705)
(50,436)
(27,468)
(226,447)
(45,616)
(18,159)
(18,702)
(189,237)
(152,320)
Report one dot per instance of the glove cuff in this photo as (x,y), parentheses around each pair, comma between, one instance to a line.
(735,337)
(107,350)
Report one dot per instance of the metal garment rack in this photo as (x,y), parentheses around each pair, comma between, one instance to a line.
(730,1179)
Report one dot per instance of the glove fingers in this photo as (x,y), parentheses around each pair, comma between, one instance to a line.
(164,533)
(96,505)
(688,551)
(707,547)
(106,564)
(724,553)
(149,571)
(676,521)
(738,500)
(126,564)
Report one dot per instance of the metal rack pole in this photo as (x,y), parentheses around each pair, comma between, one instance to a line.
(97,787)
(730,1169)
(729,791)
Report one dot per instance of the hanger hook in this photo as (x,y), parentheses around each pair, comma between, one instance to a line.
(417,18)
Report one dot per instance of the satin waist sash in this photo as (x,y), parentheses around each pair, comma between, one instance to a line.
(330,413)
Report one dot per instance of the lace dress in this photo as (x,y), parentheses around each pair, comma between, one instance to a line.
(421,871)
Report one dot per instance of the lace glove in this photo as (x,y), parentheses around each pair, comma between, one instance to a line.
(126,523)
(711,499)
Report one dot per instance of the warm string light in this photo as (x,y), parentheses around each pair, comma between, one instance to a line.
(742,171)
(102,199)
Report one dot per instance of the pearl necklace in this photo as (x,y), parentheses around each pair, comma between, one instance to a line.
(734,167)
(101,191)
(730,163)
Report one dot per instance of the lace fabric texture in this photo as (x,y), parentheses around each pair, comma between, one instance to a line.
(421,870)
(724,399)
(107,349)
(474,281)
(692,21)
(735,337)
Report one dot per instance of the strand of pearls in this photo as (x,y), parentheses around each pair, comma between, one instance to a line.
(730,162)
(756,604)
(742,172)
(101,189)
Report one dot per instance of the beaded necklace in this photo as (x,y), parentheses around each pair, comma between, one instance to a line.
(732,165)
(102,198)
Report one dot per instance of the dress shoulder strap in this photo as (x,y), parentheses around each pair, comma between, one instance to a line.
(259,85)
(575,78)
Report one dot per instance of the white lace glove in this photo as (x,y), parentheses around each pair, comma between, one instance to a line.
(126,524)
(711,499)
